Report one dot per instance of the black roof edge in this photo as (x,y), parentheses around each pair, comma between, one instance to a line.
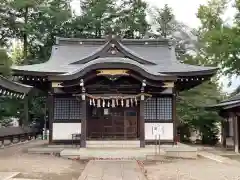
(14,86)
(193,73)
(17,72)
(92,67)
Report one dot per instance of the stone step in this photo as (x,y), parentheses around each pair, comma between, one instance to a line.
(23,179)
(116,144)
(113,142)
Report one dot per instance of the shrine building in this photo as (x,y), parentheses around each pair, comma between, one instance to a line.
(112,89)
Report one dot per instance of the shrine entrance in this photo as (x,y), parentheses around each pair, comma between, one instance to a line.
(118,123)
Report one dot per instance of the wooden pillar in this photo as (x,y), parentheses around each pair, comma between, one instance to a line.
(174,116)
(83,123)
(26,117)
(235,134)
(50,105)
(84,115)
(223,133)
(142,124)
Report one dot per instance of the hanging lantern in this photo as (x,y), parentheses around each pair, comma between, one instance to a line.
(127,103)
(103,104)
(90,102)
(117,102)
(98,103)
(93,102)
(108,104)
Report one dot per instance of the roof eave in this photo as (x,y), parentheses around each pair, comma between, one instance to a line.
(14,86)
(209,72)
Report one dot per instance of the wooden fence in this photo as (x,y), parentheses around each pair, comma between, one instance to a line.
(17,134)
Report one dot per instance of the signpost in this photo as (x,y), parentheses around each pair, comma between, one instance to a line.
(157,131)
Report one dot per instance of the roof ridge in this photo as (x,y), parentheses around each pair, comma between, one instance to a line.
(92,41)
(117,47)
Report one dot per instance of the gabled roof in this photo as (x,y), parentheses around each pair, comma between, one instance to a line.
(228,103)
(154,55)
(11,88)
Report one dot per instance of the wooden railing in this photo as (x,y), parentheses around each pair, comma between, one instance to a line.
(17,134)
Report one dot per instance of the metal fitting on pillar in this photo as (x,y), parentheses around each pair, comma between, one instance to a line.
(81,83)
(144,83)
(83,90)
(142,89)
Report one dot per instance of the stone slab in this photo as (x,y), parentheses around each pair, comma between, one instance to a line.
(109,170)
(23,179)
(7,175)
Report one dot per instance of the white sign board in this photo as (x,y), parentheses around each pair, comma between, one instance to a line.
(157,130)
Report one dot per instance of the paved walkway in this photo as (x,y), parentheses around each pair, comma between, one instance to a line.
(109,170)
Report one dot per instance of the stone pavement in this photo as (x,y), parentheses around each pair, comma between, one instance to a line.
(11,175)
(109,170)
(7,175)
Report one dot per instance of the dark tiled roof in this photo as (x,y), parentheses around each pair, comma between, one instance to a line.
(228,103)
(146,70)
(13,87)
(158,52)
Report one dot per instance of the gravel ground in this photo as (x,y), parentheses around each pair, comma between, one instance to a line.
(38,166)
(200,169)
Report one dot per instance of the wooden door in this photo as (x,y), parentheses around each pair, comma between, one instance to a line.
(130,124)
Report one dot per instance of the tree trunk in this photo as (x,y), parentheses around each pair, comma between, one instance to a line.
(25,36)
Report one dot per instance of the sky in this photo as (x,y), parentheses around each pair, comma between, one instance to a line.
(185,12)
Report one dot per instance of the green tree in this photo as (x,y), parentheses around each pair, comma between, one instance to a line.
(5,63)
(220,42)
(95,19)
(35,23)
(165,25)
(131,21)
(193,115)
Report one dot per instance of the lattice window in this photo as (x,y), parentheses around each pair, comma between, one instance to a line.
(164,108)
(61,108)
(67,108)
(150,109)
(75,109)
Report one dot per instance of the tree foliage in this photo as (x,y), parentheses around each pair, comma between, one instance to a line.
(5,63)
(220,41)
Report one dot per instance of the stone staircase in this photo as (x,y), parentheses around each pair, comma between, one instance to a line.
(112,144)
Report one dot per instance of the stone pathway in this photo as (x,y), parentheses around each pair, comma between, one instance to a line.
(109,170)
(11,175)
(7,175)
